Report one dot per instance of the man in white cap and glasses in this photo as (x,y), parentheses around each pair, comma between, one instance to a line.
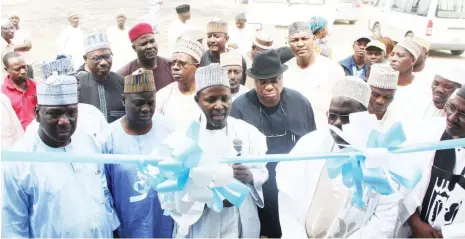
(68,199)
(71,40)
(214,99)
(22,41)
(118,39)
(313,206)
(262,41)
(240,36)
(283,115)
(446,81)
(309,73)
(375,53)
(176,100)
(101,87)
(232,63)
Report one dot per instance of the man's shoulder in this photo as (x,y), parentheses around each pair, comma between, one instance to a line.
(345,62)
(163,61)
(126,69)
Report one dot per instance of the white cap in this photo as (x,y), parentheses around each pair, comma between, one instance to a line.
(263,40)
(230,58)
(95,41)
(354,88)
(61,66)
(71,13)
(211,75)
(190,47)
(58,90)
(383,76)
(297,27)
(411,46)
(455,73)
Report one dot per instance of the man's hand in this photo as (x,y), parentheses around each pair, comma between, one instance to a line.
(242,173)
(421,229)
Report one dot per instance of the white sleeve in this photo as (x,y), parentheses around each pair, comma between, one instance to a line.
(260,173)
(291,227)
(454,230)
(61,42)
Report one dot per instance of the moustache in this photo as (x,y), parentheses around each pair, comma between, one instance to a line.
(218,112)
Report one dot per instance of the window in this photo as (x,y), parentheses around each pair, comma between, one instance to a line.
(415,7)
(451,9)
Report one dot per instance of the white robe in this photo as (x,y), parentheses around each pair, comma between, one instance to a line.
(176,30)
(120,46)
(21,36)
(235,222)
(90,121)
(297,183)
(430,130)
(12,130)
(71,42)
(242,37)
(389,118)
(176,106)
(316,83)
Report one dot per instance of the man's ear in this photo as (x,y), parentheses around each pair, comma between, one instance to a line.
(36,113)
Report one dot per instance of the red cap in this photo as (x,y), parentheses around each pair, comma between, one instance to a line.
(139,30)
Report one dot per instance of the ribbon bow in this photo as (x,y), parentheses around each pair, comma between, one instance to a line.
(191,176)
(366,166)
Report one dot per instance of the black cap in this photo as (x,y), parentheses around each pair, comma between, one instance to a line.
(183,8)
(285,54)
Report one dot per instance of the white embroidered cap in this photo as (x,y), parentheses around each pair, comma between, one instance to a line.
(263,40)
(297,27)
(58,90)
(411,46)
(383,76)
(71,13)
(354,88)
(95,41)
(60,66)
(190,47)
(211,75)
(455,73)
(230,58)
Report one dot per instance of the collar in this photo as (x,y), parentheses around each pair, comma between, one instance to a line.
(10,85)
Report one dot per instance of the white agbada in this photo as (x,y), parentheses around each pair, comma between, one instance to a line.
(154,11)
(430,130)
(176,30)
(176,106)
(233,222)
(90,121)
(242,37)
(316,83)
(71,42)
(120,46)
(297,183)
(21,36)
(242,90)
(389,118)
(12,130)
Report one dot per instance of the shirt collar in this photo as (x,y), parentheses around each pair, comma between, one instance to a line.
(10,85)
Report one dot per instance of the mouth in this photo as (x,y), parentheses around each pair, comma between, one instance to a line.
(218,117)
(394,65)
(438,98)
(144,117)
(302,51)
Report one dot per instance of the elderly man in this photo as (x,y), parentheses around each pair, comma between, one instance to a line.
(90,119)
(375,53)
(309,73)
(355,65)
(101,87)
(176,101)
(22,42)
(383,84)
(144,44)
(437,210)
(71,40)
(179,26)
(19,88)
(118,39)
(403,58)
(445,83)
(283,115)
(57,200)
(262,41)
(421,61)
(214,99)
(8,33)
(12,130)
(232,63)
(240,35)
(136,133)
(313,206)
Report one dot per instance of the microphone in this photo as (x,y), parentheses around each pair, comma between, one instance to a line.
(238,146)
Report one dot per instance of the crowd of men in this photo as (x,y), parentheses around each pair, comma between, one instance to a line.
(289,100)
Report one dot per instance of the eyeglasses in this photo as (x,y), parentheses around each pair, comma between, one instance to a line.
(181,64)
(450,110)
(273,135)
(334,117)
(97,59)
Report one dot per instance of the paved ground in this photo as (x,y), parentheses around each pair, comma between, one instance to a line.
(45,19)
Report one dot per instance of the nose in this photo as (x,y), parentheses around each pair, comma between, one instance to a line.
(439,90)
(63,120)
(23,71)
(380,100)
(453,117)
(218,105)
(145,108)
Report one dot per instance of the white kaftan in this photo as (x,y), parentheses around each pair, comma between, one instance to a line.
(50,200)
(235,222)
(178,107)
(389,118)
(315,82)
(176,30)
(90,121)
(120,46)
(71,43)
(22,35)
(297,183)
(242,37)
(12,130)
